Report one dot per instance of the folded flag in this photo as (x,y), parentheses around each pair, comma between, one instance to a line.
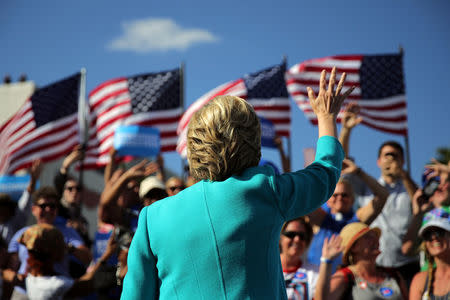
(264,90)
(45,127)
(152,99)
(379,81)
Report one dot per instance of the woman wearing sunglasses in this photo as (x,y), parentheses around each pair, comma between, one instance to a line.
(300,277)
(218,239)
(434,283)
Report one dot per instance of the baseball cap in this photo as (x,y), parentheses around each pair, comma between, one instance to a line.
(438,217)
(150,183)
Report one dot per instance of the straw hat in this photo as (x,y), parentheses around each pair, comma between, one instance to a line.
(351,233)
(45,240)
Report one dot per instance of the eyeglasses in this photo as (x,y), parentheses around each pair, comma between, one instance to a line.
(292,234)
(434,233)
(174,188)
(343,195)
(45,205)
(74,187)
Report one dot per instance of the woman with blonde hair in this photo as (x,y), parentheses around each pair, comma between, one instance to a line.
(218,239)
(434,283)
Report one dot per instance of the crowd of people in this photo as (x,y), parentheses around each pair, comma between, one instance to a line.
(384,238)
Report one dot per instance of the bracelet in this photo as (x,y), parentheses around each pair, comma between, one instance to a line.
(325,260)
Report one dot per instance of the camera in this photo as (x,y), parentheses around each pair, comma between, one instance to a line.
(429,186)
(123,236)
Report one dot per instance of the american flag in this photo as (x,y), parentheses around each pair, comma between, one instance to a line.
(380,89)
(45,127)
(264,90)
(152,99)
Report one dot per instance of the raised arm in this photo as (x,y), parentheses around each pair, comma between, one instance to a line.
(304,191)
(330,287)
(371,210)
(349,120)
(60,179)
(285,161)
(411,241)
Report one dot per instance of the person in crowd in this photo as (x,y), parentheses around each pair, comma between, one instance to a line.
(338,211)
(3,262)
(285,160)
(174,185)
(46,247)
(45,209)
(300,277)
(69,190)
(422,203)
(228,223)
(434,282)
(14,216)
(396,214)
(151,190)
(361,278)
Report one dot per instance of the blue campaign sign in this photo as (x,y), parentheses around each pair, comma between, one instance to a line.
(267,133)
(14,185)
(137,140)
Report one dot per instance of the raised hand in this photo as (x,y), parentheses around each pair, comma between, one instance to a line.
(350,116)
(141,170)
(77,154)
(332,247)
(329,101)
(348,166)
(420,204)
(36,169)
(438,169)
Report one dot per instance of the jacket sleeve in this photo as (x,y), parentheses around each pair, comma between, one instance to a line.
(302,192)
(141,280)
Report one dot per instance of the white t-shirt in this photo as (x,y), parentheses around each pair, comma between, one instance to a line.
(301,283)
(47,287)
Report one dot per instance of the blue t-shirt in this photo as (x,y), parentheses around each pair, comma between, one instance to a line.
(332,224)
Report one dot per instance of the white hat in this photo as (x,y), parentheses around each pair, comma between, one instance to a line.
(437,217)
(150,183)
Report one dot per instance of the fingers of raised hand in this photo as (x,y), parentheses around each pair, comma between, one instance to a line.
(332,81)
(323,81)
(311,94)
(341,84)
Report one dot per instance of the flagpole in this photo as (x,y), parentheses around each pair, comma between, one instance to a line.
(182,71)
(82,121)
(407,152)
(288,138)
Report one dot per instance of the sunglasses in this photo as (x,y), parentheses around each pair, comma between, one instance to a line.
(434,233)
(174,188)
(343,195)
(292,234)
(45,205)
(72,188)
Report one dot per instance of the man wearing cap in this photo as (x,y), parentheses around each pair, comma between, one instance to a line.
(151,190)
(396,215)
(44,210)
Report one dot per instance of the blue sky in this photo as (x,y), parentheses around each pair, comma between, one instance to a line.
(221,41)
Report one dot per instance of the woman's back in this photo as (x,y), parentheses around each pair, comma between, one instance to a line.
(219,240)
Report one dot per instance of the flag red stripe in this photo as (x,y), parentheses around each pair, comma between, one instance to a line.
(313,82)
(109,96)
(106,84)
(309,68)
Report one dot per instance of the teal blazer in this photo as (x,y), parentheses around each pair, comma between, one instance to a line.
(219,240)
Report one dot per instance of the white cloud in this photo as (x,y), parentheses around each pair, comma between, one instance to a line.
(158,34)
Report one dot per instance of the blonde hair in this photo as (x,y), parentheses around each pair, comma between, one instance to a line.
(223,139)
